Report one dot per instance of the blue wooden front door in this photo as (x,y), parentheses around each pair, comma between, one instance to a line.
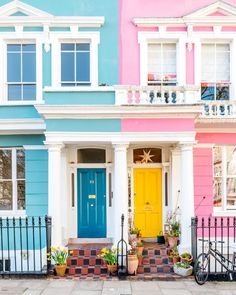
(91,203)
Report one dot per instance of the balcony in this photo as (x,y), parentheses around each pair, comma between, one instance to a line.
(173,95)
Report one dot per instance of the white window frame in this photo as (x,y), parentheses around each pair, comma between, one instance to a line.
(14,211)
(200,38)
(81,37)
(224,176)
(145,38)
(230,51)
(23,38)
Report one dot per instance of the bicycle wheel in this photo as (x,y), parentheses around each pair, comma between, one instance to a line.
(201,269)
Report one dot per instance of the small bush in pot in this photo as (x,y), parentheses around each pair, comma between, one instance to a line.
(186,257)
(139,248)
(59,256)
(110,257)
(132,261)
(174,255)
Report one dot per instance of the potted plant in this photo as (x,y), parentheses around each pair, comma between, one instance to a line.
(135,234)
(186,257)
(132,261)
(59,257)
(110,257)
(175,254)
(183,269)
(173,233)
(139,248)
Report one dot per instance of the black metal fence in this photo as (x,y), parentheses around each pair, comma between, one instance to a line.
(24,244)
(214,229)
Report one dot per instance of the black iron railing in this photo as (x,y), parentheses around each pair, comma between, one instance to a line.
(24,244)
(217,229)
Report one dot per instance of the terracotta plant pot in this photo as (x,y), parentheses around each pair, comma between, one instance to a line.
(112,268)
(132,264)
(60,270)
(172,241)
(176,259)
(140,250)
(186,260)
(140,260)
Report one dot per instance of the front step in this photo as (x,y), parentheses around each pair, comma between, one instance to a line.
(85,260)
(155,259)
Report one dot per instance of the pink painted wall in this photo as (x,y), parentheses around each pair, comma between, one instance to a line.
(216,138)
(129,47)
(203,181)
(157,125)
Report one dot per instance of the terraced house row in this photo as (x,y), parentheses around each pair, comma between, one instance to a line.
(116,107)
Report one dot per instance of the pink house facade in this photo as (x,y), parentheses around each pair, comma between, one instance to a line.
(177,84)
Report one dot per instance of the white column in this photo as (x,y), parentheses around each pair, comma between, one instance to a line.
(175,179)
(55,209)
(120,190)
(186,196)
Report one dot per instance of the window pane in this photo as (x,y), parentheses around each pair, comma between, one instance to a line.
(222,92)
(67,66)
(14,47)
(14,92)
(208,62)
(231,191)
(20,155)
(29,92)
(5,164)
(28,47)
(68,47)
(6,195)
(207,91)
(91,156)
(83,47)
(231,160)
(82,66)
(147,155)
(217,162)
(29,67)
(20,194)
(13,67)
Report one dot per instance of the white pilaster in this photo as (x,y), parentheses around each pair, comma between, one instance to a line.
(120,190)
(175,178)
(55,207)
(186,196)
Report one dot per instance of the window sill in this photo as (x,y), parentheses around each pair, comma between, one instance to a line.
(20,103)
(224,213)
(11,214)
(79,89)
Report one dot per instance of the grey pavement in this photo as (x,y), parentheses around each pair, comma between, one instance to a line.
(73,287)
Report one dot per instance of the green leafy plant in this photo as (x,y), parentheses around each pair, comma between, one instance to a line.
(186,255)
(109,255)
(140,244)
(174,251)
(136,231)
(59,255)
(183,265)
(132,251)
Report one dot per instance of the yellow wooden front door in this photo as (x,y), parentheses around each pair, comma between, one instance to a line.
(148,201)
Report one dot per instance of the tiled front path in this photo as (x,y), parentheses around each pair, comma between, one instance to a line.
(72,287)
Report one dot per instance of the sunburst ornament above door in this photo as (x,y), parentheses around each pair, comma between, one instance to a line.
(146,157)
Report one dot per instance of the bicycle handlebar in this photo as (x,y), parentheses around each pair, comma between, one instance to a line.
(220,242)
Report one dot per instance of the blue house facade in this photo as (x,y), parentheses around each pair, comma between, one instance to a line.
(56,57)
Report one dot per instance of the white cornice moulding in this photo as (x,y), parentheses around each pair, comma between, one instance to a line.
(101,112)
(79,89)
(121,137)
(199,17)
(35,147)
(22,125)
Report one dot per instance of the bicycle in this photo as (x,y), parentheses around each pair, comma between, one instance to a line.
(202,264)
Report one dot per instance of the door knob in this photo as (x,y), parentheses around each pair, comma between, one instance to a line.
(147,203)
(91,205)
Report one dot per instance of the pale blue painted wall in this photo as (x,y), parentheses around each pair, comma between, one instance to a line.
(81,98)
(36,163)
(18,112)
(84,125)
(20,140)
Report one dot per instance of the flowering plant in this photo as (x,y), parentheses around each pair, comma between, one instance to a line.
(59,255)
(109,255)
